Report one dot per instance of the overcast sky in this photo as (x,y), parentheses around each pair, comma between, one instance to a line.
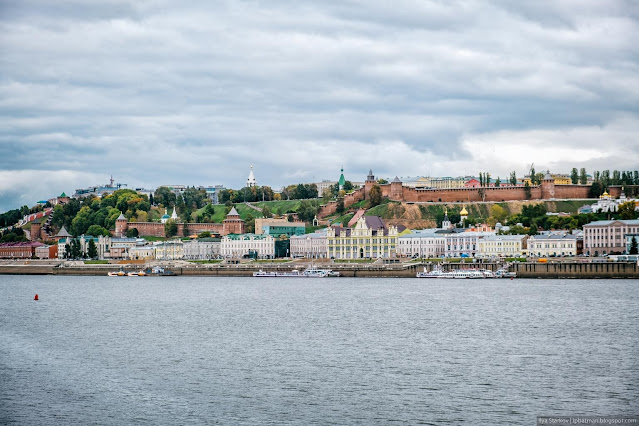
(158,92)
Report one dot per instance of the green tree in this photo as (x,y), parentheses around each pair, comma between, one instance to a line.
(595,190)
(583,177)
(164,196)
(574,176)
(266,212)
(250,223)
(375,196)
(627,210)
(499,213)
(527,193)
(497,182)
(382,181)
(92,250)
(185,229)
(348,186)
(97,231)
(170,228)
(340,205)
(633,246)
(513,178)
(204,234)
(132,233)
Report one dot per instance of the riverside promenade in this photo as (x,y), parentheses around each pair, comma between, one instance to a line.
(370,270)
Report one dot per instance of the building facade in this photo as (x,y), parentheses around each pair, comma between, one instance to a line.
(236,246)
(369,238)
(608,236)
(202,249)
(552,245)
(312,246)
(277,227)
(427,243)
(500,246)
(20,250)
(460,243)
(169,250)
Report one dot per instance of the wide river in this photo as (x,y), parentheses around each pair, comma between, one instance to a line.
(195,350)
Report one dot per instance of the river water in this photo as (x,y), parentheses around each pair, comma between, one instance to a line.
(217,350)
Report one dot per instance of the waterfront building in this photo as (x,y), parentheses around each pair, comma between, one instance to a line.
(608,236)
(19,250)
(312,246)
(202,249)
(501,246)
(553,244)
(277,227)
(240,245)
(251,181)
(426,243)
(120,247)
(47,251)
(169,250)
(102,245)
(369,238)
(142,252)
(462,243)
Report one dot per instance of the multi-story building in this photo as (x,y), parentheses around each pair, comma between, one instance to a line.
(426,243)
(552,245)
(501,246)
(98,190)
(235,246)
(369,238)
(20,250)
(608,236)
(312,246)
(213,192)
(202,249)
(462,243)
(277,227)
(47,252)
(142,252)
(120,247)
(102,245)
(169,250)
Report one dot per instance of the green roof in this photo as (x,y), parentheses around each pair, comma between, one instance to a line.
(63,195)
(342,181)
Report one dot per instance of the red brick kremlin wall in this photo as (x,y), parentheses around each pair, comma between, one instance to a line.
(395,192)
(154,229)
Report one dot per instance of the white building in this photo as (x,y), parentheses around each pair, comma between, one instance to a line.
(607,203)
(142,252)
(552,245)
(169,250)
(462,244)
(102,245)
(312,246)
(202,249)
(235,246)
(501,246)
(426,243)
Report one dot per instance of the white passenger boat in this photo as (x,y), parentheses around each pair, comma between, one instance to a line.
(261,273)
(315,273)
(437,272)
(505,273)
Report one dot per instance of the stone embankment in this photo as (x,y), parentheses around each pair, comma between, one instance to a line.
(406,270)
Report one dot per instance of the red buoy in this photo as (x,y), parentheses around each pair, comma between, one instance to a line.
(36,297)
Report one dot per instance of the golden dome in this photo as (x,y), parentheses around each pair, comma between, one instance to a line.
(463,212)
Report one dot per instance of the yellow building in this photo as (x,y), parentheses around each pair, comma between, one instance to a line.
(562,179)
(501,246)
(369,238)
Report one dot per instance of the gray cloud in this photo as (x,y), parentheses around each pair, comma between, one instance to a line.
(157,93)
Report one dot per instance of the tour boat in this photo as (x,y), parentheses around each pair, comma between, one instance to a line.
(261,273)
(315,273)
(437,272)
(116,274)
(504,273)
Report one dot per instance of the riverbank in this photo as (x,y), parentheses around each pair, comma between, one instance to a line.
(401,270)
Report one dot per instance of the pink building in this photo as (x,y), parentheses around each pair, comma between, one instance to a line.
(608,236)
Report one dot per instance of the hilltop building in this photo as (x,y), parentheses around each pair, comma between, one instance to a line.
(251,181)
